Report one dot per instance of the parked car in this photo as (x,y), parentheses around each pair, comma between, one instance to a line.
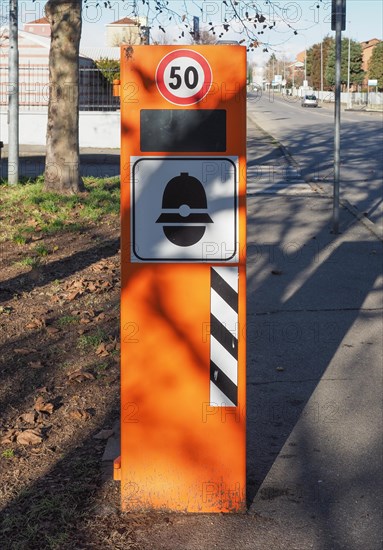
(309,101)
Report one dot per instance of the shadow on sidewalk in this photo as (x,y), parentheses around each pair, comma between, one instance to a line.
(303,298)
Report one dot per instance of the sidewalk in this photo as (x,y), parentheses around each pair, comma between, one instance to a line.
(314,369)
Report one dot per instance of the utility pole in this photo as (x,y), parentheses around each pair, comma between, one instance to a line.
(13,96)
(338,23)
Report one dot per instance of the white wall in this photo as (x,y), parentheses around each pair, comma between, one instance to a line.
(97,129)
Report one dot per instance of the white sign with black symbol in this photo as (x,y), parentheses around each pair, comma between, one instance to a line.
(184,209)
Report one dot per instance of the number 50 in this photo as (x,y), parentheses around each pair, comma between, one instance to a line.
(190,78)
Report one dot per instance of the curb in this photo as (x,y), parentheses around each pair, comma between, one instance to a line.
(371,226)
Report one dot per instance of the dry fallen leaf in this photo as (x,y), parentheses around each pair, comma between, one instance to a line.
(41,406)
(73,295)
(80,414)
(104,434)
(36,450)
(8,437)
(80,375)
(35,323)
(102,350)
(84,321)
(29,437)
(100,317)
(35,364)
(28,417)
(52,330)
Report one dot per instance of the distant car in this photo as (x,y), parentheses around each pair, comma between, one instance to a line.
(309,101)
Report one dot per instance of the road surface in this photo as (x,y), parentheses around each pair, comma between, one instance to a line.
(308,135)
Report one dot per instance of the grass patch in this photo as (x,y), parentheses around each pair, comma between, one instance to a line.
(101,370)
(51,213)
(8,453)
(30,262)
(19,238)
(41,250)
(22,235)
(87,341)
(67,320)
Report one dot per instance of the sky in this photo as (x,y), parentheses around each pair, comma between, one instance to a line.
(310,19)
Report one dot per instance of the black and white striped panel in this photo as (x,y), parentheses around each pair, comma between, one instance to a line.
(224,336)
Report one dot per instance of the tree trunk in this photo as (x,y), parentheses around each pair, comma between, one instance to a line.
(62,168)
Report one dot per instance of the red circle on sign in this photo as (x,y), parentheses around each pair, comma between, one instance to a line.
(179,99)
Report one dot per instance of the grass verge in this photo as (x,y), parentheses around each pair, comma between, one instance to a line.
(26,209)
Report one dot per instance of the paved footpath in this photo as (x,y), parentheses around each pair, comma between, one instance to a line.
(314,360)
(314,366)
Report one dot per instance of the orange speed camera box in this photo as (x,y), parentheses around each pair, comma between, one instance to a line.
(183,208)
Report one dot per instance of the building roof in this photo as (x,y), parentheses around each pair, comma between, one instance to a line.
(41,21)
(125,21)
(370,43)
(45,42)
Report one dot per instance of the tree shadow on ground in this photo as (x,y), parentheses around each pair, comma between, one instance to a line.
(59,268)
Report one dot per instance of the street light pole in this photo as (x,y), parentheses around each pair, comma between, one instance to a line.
(348,73)
(321,69)
(13,95)
(338,56)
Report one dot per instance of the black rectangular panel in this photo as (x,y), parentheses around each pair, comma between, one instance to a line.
(183,131)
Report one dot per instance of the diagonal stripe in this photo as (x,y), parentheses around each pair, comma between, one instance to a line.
(223,383)
(221,310)
(224,336)
(226,362)
(217,398)
(228,274)
(224,290)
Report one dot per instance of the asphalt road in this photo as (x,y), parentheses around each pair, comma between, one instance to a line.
(308,135)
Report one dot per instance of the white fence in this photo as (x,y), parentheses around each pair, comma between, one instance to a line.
(371,100)
(99,109)
(97,129)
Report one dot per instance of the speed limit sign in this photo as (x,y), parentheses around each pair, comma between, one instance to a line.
(183,77)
